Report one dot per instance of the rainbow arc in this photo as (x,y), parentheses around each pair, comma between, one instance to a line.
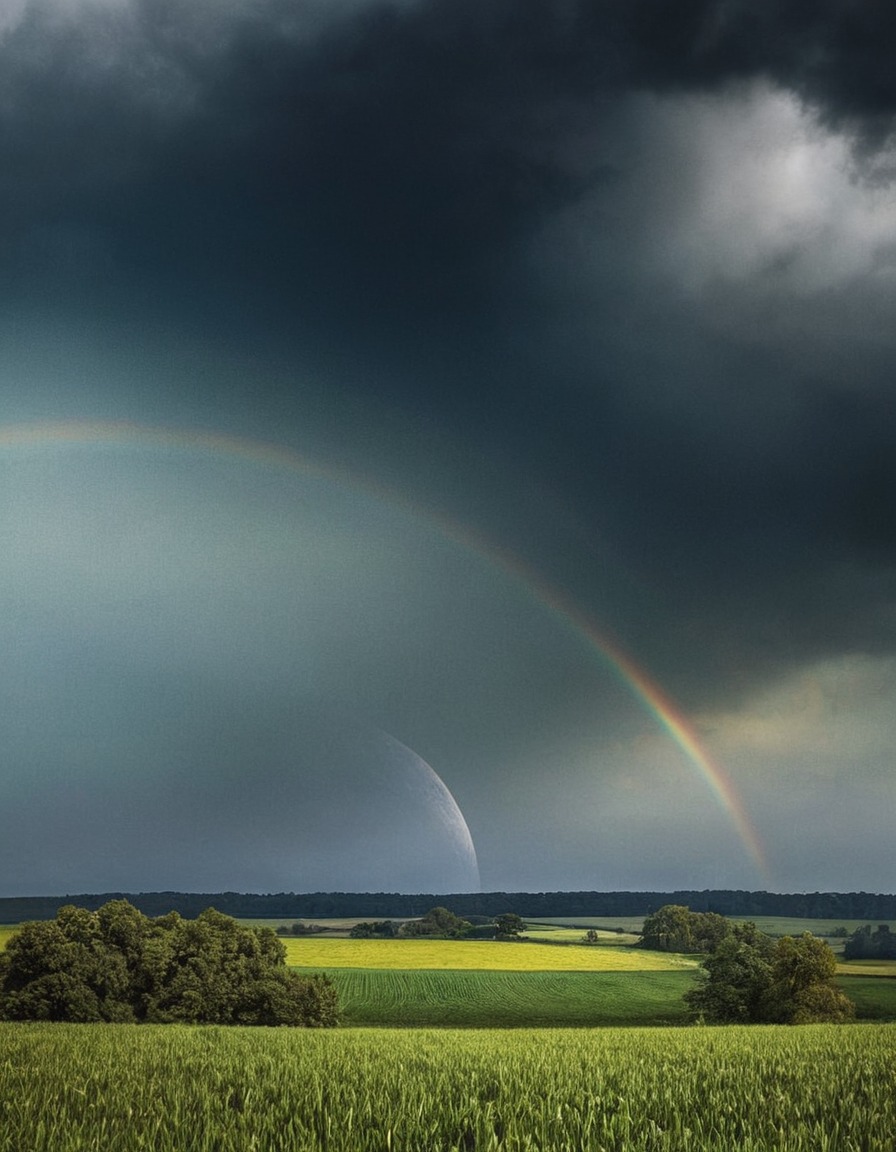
(670,718)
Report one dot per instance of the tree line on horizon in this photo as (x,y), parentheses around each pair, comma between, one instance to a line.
(743,904)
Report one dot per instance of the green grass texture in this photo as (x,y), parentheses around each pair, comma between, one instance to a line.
(170,1088)
(510,999)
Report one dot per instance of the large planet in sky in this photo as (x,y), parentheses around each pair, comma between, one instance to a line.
(238,798)
(183,641)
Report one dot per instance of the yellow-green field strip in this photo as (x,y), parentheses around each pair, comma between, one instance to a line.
(476,956)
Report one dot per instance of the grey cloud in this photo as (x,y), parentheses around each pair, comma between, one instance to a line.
(577,276)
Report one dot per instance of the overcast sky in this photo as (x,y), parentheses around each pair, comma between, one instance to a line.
(575,324)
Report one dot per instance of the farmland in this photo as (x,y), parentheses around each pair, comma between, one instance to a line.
(458,1045)
(484,955)
(481,983)
(510,999)
(66,1088)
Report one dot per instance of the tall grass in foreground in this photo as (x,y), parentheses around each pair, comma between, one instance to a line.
(119,1088)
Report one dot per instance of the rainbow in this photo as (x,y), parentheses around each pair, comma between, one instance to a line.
(272,456)
(639,683)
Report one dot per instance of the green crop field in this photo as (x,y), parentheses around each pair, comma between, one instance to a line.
(169,1088)
(483,955)
(510,999)
(419,983)
(874,997)
(788,926)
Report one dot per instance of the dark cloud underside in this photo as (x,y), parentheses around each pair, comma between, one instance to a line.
(608,283)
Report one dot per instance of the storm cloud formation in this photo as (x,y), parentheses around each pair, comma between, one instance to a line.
(610,285)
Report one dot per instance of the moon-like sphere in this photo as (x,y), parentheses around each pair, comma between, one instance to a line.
(242,797)
(166,620)
(329,804)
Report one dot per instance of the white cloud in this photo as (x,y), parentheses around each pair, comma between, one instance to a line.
(768,194)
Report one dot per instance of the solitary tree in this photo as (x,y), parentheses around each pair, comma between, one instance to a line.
(509,926)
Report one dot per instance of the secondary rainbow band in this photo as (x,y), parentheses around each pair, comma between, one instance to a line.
(273,456)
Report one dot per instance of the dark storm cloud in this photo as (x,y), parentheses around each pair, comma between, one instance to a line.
(402,149)
(366,187)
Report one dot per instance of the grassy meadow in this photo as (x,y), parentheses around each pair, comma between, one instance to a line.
(171,1088)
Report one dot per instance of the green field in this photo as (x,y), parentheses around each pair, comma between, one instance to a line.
(874,998)
(453,1046)
(510,999)
(554,934)
(483,983)
(169,1088)
(788,926)
(550,998)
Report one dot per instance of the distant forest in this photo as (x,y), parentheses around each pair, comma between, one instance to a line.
(382,905)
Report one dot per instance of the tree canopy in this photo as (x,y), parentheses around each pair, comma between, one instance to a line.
(438,921)
(115,964)
(750,979)
(509,926)
(865,944)
(675,928)
(746,976)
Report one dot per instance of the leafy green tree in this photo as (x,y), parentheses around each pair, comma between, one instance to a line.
(865,944)
(736,979)
(802,987)
(509,926)
(116,965)
(366,930)
(59,970)
(675,928)
(750,979)
(438,921)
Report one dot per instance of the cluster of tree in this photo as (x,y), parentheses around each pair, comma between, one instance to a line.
(874,907)
(439,921)
(380,905)
(750,979)
(368,929)
(675,928)
(865,944)
(115,964)
(300,928)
